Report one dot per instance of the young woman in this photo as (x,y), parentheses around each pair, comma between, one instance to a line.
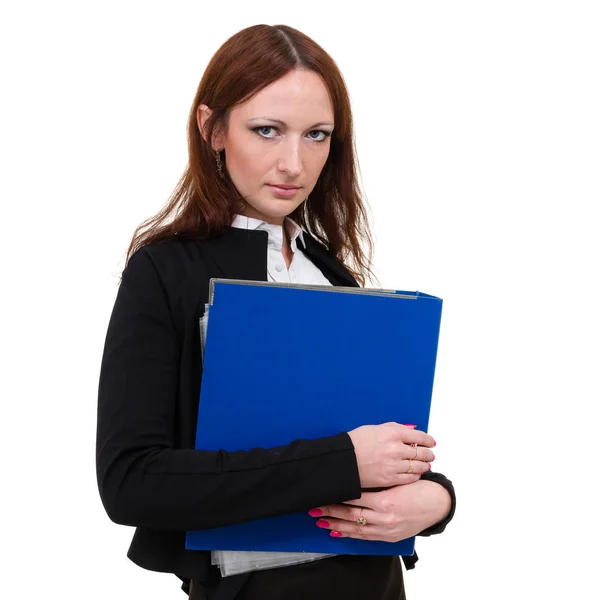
(269,194)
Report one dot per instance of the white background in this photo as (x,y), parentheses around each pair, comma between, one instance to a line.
(478,133)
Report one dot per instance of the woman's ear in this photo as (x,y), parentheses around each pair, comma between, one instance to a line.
(202,115)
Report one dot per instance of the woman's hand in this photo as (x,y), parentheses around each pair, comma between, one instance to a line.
(392,515)
(385,456)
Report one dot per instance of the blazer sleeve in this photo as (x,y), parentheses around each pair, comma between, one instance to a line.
(144,480)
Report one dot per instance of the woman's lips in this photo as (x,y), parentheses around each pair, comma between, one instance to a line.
(283,192)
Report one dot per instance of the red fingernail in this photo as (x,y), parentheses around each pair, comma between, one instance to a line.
(322,523)
(335,534)
(434,442)
(430,466)
(315,512)
(407,425)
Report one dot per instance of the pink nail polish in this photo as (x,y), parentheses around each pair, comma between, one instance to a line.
(434,443)
(407,425)
(335,534)
(315,512)
(322,523)
(430,466)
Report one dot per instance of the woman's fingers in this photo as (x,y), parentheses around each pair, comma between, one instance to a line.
(413,466)
(334,515)
(339,529)
(342,527)
(345,513)
(414,436)
(417,453)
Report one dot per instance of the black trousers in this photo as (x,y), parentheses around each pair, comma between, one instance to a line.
(336,578)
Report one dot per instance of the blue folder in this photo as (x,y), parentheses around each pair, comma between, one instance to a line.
(352,356)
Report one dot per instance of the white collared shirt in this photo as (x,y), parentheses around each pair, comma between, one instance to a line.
(302,269)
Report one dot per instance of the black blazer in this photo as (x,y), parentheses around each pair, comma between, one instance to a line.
(149,475)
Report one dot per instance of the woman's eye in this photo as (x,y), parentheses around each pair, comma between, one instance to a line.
(325,134)
(320,136)
(260,130)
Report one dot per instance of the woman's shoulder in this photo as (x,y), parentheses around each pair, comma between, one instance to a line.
(172,264)
(172,253)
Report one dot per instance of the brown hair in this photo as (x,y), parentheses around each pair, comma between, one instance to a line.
(204,203)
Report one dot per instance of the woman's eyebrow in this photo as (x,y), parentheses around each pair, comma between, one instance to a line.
(283,124)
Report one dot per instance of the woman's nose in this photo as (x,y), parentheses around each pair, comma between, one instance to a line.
(290,158)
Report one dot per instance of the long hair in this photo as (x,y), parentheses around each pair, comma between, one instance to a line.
(204,203)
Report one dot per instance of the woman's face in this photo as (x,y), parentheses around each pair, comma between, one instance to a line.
(278,137)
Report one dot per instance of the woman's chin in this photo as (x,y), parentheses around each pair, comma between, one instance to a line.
(275,208)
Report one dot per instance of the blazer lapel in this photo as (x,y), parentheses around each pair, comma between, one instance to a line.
(239,253)
(242,254)
(326,262)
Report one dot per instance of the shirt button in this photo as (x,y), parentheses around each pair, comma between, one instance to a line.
(279,267)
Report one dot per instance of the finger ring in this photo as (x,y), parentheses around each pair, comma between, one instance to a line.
(416,453)
(410,466)
(361,520)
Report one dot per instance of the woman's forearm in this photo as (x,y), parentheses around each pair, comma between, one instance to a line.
(435,504)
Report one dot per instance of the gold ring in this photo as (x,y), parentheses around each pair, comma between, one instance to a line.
(410,466)
(361,520)
(416,453)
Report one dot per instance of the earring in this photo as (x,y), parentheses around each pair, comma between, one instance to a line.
(219,163)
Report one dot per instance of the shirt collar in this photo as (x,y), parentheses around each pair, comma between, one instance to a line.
(275,231)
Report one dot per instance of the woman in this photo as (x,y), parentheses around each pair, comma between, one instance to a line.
(270,193)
